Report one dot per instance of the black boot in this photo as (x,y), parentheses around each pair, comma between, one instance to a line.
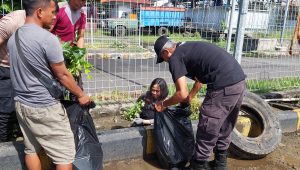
(220,162)
(200,165)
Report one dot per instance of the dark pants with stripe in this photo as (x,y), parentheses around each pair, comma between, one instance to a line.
(219,112)
(7,109)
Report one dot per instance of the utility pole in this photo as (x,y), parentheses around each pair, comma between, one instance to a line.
(239,40)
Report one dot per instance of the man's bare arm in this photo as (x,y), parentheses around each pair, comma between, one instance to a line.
(2,40)
(80,41)
(179,96)
(197,86)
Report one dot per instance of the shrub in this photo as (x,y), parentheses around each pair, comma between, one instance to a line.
(132,112)
(75,60)
(195,106)
(197,34)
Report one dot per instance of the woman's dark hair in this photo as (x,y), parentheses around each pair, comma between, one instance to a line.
(31,5)
(163,87)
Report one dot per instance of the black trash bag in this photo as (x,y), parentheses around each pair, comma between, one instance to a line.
(89,154)
(174,137)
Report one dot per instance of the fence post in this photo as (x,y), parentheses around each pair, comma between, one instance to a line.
(230,26)
(2,8)
(239,40)
(284,21)
(92,31)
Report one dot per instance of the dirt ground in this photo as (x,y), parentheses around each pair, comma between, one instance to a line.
(285,157)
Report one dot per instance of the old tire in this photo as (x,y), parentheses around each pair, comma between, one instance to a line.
(163,31)
(265,139)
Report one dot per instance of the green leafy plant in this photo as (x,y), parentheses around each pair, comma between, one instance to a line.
(197,34)
(119,44)
(75,60)
(133,111)
(223,25)
(195,107)
(8,6)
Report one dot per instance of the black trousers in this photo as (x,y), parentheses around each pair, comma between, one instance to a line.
(219,112)
(7,106)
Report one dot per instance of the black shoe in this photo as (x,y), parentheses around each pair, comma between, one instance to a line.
(220,162)
(200,165)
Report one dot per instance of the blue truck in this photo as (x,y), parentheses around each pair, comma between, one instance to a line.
(150,19)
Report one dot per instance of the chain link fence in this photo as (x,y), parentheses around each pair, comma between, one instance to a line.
(120,35)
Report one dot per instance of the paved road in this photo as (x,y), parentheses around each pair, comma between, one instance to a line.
(135,74)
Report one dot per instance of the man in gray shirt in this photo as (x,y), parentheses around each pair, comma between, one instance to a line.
(43,120)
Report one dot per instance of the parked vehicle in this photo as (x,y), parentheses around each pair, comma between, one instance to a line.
(159,19)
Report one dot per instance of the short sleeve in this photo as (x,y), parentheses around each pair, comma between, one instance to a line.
(177,66)
(53,49)
(10,23)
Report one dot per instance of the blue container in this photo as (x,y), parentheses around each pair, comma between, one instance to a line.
(161,17)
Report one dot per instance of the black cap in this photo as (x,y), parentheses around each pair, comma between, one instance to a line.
(159,44)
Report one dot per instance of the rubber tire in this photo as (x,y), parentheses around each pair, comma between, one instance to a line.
(163,31)
(257,147)
(120,31)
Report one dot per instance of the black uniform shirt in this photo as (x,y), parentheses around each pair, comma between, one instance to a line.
(211,65)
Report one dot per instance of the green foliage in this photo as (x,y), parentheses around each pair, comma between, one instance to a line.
(266,86)
(223,25)
(133,111)
(75,60)
(197,34)
(288,33)
(118,44)
(6,8)
(195,106)
(10,5)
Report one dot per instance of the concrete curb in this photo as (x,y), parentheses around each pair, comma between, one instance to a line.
(125,143)
(289,120)
(118,55)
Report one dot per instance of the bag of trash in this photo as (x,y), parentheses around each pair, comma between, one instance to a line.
(89,154)
(174,137)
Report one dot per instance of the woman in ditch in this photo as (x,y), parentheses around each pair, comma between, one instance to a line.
(158,91)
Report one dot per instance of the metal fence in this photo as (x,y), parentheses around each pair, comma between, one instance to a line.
(120,35)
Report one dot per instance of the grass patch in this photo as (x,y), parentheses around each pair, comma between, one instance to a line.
(131,41)
(150,39)
(116,47)
(280,84)
(288,34)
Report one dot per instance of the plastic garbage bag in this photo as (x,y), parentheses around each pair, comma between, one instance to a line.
(89,154)
(174,137)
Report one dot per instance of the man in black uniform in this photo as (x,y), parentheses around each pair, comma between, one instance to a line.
(208,64)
